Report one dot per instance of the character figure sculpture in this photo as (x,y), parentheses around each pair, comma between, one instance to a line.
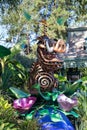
(48,61)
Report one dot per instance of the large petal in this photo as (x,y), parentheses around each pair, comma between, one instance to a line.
(66,103)
(24,104)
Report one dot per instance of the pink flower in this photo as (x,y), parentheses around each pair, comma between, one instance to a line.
(66,103)
(24,104)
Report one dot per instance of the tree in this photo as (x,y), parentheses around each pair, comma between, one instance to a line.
(9,4)
(80,8)
(50,16)
(38,10)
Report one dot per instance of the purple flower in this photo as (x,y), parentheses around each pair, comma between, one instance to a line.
(66,103)
(24,104)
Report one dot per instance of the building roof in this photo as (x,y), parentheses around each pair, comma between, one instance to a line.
(77,29)
(77,53)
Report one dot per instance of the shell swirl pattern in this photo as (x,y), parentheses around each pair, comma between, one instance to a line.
(45,80)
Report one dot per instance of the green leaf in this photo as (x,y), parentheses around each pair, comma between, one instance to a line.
(60,78)
(20,76)
(56,76)
(77,84)
(74,114)
(44,112)
(72,88)
(84,83)
(4,51)
(54,96)
(71,113)
(60,21)
(37,86)
(18,93)
(84,78)
(29,116)
(56,117)
(45,95)
(27,16)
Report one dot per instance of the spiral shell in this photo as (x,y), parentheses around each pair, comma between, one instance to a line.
(45,80)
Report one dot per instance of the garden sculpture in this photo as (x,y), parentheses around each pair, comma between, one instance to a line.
(48,61)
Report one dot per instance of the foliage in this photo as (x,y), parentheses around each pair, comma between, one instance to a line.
(82,108)
(83,71)
(27,60)
(5,78)
(72,88)
(4,51)
(7,113)
(14,75)
(18,93)
(10,3)
(7,126)
(67,87)
(27,16)
(57,21)
(80,8)
(16,20)
(13,72)
(28,125)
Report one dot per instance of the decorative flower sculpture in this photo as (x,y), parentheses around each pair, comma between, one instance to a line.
(66,103)
(24,104)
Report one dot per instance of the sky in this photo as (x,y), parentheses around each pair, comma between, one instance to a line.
(3,36)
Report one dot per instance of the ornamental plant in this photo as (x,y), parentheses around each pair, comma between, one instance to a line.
(81,122)
(7,113)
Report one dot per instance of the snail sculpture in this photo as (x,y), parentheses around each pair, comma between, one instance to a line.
(48,61)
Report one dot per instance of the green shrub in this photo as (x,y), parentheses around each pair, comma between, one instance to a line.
(7,126)
(7,113)
(81,122)
(8,117)
(29,125)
